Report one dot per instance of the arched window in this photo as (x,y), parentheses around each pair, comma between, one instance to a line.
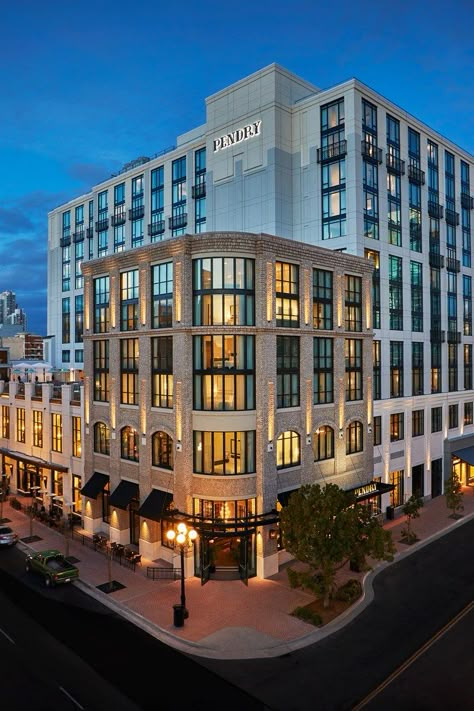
(162,450)
(323,443)
(288,450)
(129,444)
(101,438)
(354,439)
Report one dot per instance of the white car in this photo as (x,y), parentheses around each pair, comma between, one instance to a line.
(8,537)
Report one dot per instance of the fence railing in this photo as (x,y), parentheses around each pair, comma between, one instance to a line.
(163,573)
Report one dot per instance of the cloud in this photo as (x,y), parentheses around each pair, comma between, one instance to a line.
(12,221)
(88,174)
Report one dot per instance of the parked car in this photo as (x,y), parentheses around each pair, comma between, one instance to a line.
(8,537)
(52,566)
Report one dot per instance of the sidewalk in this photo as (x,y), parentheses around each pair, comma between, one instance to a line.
(227,620)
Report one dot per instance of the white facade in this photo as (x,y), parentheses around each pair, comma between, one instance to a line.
(264,155)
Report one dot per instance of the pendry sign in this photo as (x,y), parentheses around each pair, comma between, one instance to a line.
(241,134)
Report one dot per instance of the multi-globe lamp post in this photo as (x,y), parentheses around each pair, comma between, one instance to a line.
(184,537)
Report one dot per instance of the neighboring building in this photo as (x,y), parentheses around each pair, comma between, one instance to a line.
(10,313)
(23,346)
(344,168)
(221,375)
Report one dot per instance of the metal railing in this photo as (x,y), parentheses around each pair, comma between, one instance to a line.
(163,573)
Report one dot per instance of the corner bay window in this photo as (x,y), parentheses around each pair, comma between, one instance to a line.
(287,295)
(224,453)
(224,372)
(223,291)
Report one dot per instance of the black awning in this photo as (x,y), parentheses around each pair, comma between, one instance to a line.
(372,488)
(155,504)
(466,454)
(123,494)
(284,496)
(95,485)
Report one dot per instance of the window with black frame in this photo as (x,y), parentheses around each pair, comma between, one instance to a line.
(288,371)
(101,286)
(322,299)
(129,444)
(162,450)
(162,371)
(287,291)
(101,438)
(101,371)
(323,443)
(224,291)
(224,453)
(162,295)
(129,371)
(129,300)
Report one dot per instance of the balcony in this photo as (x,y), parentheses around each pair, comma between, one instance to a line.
(102,225)
(156,228)
(454,336)
(371,152)
(118,219)
(437,335)
(198,190)
(415,231)
(435,209)
(453,265)
(78,236)
(452,217)
(436,260)
(178,221)
(467,201)
(394,164)
(331,152)
(415,175)
(89,233)
(136,213)
(65,241)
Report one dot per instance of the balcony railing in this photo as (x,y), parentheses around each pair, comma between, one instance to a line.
(178,221)
(452,217)
(394,164)
(199,190)
(56,393)
(415,175)
(415,230)
(454,336)
(156,228)
(371,152)
(89,232)
(333,151)
(467,201)
(78,236)
(436,260)
(437,335)
(65,241)
(453,265)
(136,212)
(102,225)
(118,219)
(435,209)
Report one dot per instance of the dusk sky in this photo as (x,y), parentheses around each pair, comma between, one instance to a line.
(88,86)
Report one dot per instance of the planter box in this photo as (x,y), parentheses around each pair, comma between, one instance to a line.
(394,512)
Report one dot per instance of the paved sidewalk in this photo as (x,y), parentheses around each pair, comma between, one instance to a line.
(227,620)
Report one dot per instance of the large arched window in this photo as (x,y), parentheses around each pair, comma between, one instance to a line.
(288,450)
(323,443)
(162,450)
(101,438)
(354,439)
(129,444)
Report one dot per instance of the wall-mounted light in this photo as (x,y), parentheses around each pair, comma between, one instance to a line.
(308,439)
(179,446)
(270,447)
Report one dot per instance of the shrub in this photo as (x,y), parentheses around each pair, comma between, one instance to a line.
(14,503)
(306,614)
(350,591)
(293,578)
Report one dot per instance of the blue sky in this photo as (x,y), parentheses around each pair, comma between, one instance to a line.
(88,86)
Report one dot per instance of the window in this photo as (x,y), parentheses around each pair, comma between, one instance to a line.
(397,427)
(374,257)
(78,318)
(467,351)
(354,438)
(323,443)
(129,371)
(223,291)
(323,371)
(66,320)
(101,438)
(436,419)
(5,422)
(397,495)
(418,423)
(395,295)
(224,453)
(162,295)
(162,372)
(353,303)
(396,368)
(468,413)
(101,371)
(76,437)
(322,299)
(224,372)
(288,371)
(453,416)
(436,368)
(416,277)
(129,300)
(288,450)
(353,359)
(37,428)
(377,370)
(20,425)
(199,191)
(377,431)
(333,178)
(417,367)
(56,432)
(287,294)
(157,226)
(129,444)
(101,304)
(162,450)
(179,217)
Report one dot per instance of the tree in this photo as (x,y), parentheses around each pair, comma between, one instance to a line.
(454,494)
(411,510)
(324,527)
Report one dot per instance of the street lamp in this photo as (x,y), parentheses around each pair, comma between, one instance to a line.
(184,537)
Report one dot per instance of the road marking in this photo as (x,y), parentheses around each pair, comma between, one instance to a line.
(414,657)
(71,698)
(7,636)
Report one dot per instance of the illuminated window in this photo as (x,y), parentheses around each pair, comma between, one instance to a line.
(101,438)
(76,437)
(287,295)
(288,450)
(162,450)
(37,428)
(224,453)
(354,438)
(129,444)
(20,424)
(323,443)
(56,432)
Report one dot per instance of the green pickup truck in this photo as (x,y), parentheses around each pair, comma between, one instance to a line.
(53,566)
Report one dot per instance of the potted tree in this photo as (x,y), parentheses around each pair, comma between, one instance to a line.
(411,510)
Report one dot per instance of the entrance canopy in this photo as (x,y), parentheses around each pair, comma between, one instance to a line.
(372,488)
(466,454)
(36,461)
(95,485)
(121,497)
(155,504)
